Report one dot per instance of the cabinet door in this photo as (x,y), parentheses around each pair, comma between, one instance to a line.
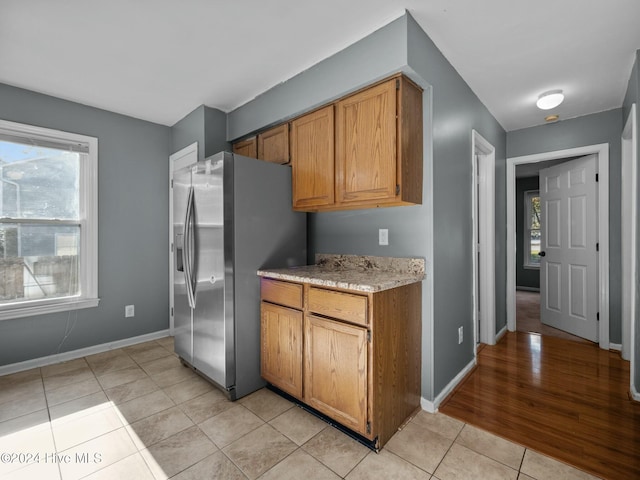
(281,347)
(336,371)
(247,148)
(366,145)
(273,144)
(312,159)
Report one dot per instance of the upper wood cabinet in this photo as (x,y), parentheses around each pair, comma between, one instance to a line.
(273,144)
(375,158)
(312,159)
(248,147)
(379,146)
(366,145)
(362,151)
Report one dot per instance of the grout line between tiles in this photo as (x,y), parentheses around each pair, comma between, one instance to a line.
(53,437)
(487,456)
(447,452)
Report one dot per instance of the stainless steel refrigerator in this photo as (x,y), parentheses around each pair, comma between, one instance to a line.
(232,216)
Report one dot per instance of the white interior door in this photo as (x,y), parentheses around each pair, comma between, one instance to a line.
(568,270)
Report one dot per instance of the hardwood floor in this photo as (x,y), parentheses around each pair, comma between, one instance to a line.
(564,399)
(528,317)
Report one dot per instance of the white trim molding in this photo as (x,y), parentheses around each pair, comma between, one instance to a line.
(87,148)
(630,152)
(483,161)
(501,333)
(82,352)
(602,151)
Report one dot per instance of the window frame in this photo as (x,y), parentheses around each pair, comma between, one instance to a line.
(88,221)
(528,195)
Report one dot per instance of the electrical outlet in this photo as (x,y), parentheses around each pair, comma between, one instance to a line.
(383,236)
(460,335)
(129,311)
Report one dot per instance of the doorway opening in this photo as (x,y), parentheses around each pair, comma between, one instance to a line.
(602,153)
(483,198)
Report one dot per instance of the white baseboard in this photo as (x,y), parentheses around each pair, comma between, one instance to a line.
(615,346)
(501,333)
(82,352)
(432,407)
(427,405)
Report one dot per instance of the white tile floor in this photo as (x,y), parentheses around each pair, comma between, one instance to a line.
(137,413)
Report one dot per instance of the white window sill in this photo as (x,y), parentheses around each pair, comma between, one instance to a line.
(30,309)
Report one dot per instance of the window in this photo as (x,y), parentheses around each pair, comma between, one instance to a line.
(48,221)
(532,229)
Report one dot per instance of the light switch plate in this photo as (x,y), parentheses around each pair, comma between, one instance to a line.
(383,236)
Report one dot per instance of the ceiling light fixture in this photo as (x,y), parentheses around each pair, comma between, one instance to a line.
(550,99)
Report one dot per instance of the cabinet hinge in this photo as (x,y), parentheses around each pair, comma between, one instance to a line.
(172,248)
(597,247)
(397,189)
(369,336)
(172,311)
(397,84)
(596,177)
(598,316)
(368,427)
(172,183)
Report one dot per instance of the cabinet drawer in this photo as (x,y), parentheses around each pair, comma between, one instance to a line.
(344,306)
(283,293)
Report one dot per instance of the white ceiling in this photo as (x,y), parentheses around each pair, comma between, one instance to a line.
(159,59)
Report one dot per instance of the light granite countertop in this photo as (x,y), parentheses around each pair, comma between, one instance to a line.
(353,272)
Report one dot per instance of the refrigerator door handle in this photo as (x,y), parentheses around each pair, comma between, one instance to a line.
(187,251)
(193,248)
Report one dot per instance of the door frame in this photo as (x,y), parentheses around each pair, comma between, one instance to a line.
(186,156)
(602,151)
(483,161)
(629,139)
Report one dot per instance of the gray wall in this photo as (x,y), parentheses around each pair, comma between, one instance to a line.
(377,55)
(402,45)
(204,125)
(604,127)
(456,111)
(525,277)
(133,225)
(633,96)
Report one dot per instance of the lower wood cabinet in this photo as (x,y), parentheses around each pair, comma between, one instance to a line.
(335,380)
(353,356)
(281,339)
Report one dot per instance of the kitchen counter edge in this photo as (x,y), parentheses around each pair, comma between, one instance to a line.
(360,280)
